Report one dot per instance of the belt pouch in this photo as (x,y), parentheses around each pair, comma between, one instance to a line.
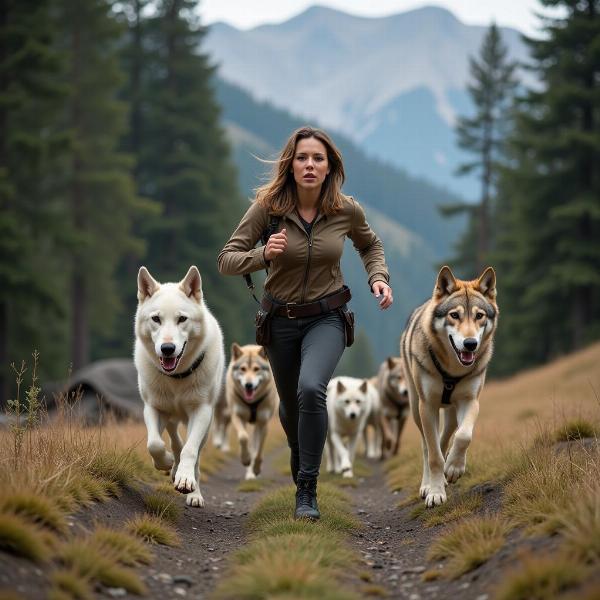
(348,317)
(262,322)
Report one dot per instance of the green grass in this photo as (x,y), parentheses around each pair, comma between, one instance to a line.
(19,536)
(576,429)
(541,579)
(162,505)
(303,557)
(69,584)
(469,544)
(457,507)
(35,509)
(152,530)
(253,485)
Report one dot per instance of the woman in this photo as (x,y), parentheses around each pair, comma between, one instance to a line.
(304,289)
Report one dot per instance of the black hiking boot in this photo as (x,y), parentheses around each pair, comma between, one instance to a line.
(306,500)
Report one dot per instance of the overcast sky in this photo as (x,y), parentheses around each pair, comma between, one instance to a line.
(245,14)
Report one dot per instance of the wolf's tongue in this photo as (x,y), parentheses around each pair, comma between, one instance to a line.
(248,394)
(169,362)
(466,357)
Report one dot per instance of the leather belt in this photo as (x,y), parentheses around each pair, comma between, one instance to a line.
(292,310)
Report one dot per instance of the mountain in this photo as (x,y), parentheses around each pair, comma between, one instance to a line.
(400,208)
(393,84)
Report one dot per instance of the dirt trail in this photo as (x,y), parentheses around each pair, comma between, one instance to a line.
(392,545)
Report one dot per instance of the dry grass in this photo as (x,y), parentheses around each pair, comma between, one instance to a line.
(541,579)
(152,530)
(253,485)
(469,544)
(69,584)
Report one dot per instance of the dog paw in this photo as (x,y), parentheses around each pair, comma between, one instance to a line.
(257,466)
(250,475)
(163,459)
(435,498)
(195,499)
(424,490)
(347,472)
(185,482)
(454,470)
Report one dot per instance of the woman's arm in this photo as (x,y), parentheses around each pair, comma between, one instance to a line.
(369,247)
(239,256)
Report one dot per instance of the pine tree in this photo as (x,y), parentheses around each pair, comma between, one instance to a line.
(32,217)
(548,255)
(184,164)
(97,182)
(491,90)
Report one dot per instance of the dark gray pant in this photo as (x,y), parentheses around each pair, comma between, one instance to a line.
(303,354)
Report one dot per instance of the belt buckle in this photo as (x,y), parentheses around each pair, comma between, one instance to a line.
(289,305)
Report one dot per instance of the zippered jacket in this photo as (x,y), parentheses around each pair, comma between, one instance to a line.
(309,268)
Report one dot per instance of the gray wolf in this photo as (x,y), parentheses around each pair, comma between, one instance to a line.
(393,394)
(180,361)
(349,403)
(445,349)
(251,398)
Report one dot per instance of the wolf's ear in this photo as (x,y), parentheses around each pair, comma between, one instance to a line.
(262,352)
(445,284)
(236,351)
(486,283)
(363,386)
(341,388)
(147,285)
(191,284)
(390,362)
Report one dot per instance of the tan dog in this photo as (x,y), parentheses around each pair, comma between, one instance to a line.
(393,394)
(251,398)
(445,349)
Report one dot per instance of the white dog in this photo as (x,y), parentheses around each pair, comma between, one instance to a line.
(180,360)
(349,403)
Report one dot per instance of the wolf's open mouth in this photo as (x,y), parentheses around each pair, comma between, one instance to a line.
(249,394)
(169,363)
(465,357)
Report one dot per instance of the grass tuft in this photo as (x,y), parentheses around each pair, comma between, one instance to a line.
(541,578)
(163,506)
(152,530)
(34,509)
(252,485)
(124,548)
(457,507)
(581,526)
(20,537)
(71,585)
(122,468)
(469,544)
(576,429)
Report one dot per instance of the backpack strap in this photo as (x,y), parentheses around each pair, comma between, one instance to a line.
(264,238)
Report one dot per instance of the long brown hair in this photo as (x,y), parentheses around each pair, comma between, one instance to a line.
(279,195)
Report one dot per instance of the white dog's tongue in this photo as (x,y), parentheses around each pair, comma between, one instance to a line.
(168,362)
(467,357)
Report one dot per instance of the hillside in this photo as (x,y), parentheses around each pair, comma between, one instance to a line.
(394,84)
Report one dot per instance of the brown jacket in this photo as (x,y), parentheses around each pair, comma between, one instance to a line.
(309,268)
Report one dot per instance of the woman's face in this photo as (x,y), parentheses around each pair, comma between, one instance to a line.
(310,165)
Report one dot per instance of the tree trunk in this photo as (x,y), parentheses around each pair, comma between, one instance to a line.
(80,344)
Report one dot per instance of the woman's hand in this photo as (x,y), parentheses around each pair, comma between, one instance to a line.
(380,288)
(276,245)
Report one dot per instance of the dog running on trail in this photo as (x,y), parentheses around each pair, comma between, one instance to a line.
(446,348)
